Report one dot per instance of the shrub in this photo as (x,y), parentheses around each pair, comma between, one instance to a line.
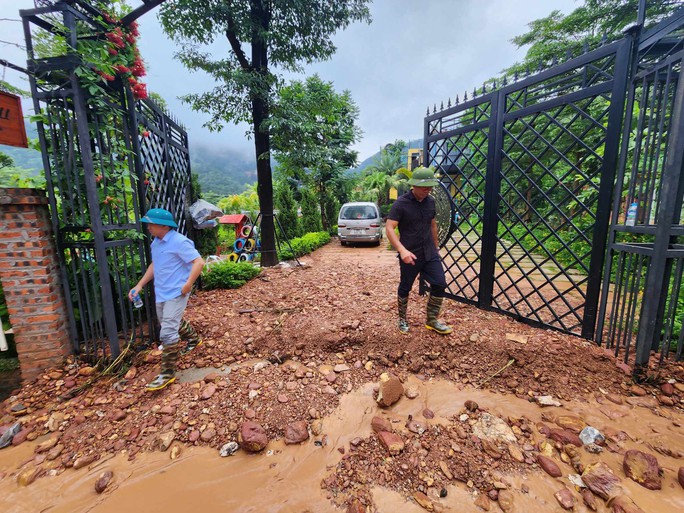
(228,275)
(304,245)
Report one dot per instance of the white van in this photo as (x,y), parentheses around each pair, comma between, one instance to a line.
(359,222)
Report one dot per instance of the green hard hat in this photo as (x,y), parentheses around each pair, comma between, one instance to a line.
(423,177)
(159,216)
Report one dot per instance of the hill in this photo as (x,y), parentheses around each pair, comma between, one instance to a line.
(414,143)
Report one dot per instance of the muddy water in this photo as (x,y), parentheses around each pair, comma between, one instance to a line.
(286,479)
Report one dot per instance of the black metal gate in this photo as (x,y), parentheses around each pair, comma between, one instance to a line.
(643,297)
(108,158)
(530,170)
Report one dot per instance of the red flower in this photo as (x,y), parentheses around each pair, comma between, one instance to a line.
(139,91)
(132,81)
(145,133)
(112,51)
(121,68)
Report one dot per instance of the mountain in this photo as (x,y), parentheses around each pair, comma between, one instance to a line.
(415,143)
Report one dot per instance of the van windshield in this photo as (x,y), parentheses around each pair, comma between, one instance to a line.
(358,212)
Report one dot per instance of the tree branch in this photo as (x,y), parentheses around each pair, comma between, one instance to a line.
(235,45)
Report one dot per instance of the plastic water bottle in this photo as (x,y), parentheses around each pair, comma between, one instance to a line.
(137,300)
(631,214)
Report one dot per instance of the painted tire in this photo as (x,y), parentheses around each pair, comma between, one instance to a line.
(233,257)
(245,257)
(239,245)
(250,245)
(246,231)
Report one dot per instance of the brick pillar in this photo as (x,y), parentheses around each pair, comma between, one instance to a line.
(29,271)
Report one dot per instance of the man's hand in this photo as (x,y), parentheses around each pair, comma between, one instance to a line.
(187,288)
(407,257)
(135,290)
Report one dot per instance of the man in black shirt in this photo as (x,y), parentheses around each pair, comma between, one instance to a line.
(414,214)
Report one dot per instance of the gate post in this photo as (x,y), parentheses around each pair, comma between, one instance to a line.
(29,271)
(672,185)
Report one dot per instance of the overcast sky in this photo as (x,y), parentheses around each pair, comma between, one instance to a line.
(415,53)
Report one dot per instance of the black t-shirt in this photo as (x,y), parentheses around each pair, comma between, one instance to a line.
(415,224)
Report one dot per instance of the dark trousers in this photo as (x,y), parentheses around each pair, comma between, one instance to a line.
(432,271)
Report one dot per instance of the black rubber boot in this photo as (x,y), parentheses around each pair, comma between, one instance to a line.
(168,368)
(434,306)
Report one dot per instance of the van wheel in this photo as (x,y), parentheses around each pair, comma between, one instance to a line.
(343,243)
(376,243)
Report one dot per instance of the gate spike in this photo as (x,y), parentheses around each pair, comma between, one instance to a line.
(441,106)
(474,92)
(484,87)
(505,82)
(585,46)
(515,76)
(527,70)
(493,84)
(604,39)
(568,54)
(457,101)
(465,96)
(428,111)
(541,66)
(449,104)
(554,61)
(434,108)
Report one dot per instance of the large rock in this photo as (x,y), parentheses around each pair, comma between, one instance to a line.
(252,437)
(565,498)
(103,481)
(600,479)
(680,476)
(570,422)
(549,466)
(589,499)
(296,432)
(623,504)
(565,436)
(391,442)
(505,500)
(490,427)
(390,391)
(642,468)
(381,424)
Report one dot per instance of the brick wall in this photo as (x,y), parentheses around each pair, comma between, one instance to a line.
(29,271)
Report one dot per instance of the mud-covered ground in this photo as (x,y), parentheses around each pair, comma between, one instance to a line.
(287,346)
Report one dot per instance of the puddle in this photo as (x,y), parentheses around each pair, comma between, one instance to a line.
(286,479)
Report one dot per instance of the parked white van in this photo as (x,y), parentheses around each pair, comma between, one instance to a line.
(359,222)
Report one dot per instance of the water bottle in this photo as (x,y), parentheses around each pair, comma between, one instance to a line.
(631,214)
(137,301)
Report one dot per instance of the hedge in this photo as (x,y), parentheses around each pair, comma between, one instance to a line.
(228,275)
(304,245)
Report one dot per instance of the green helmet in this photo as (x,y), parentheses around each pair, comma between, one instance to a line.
(159,216)
(423,177)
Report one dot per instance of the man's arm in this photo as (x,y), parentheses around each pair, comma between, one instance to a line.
(147,277)
(435,237)
(197,266)
(406,256)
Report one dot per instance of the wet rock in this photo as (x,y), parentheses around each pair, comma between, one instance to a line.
(428,413)
(194,435)
(411,392)
(505,500)
(490,427)
(666,400)
(516,453)
(614,398)
(103,481)
(208,434)
(28,476)
(55,421)
(54,453)
(642,468)
(47,444)
(564,436)
(565,498)
(482,502)
(547,400)
(208,391)
(637,390)
(415,427)
(164,441)
(667,389)
(175,452)
(252,437)
(680,476)
(600,479)
(228,449)
(571,423)
(471,406)
(549,466)
(392,442)
(83,461)
(381,424)
(589,499)
(21,436)
(296,432)
(490,448)
(316,427)
(623,504)
(87,371)
(423,501)
(390,390)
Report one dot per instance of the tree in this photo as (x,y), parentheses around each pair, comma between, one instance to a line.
(279,33)
(313,129)
(311,217)
(287,215)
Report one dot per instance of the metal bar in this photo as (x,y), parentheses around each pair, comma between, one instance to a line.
(608,171)
(147,6)
(670,184)
(491,203)
(662,29)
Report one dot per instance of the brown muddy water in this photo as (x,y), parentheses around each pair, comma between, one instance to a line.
(286,479)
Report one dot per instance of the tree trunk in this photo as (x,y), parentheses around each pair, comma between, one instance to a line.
(262,140)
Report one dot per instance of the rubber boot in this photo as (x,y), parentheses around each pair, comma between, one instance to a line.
(434,306)
(168,368)
(188,333)
(402,303)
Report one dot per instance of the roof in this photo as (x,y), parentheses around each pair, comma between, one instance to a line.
(232,219)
